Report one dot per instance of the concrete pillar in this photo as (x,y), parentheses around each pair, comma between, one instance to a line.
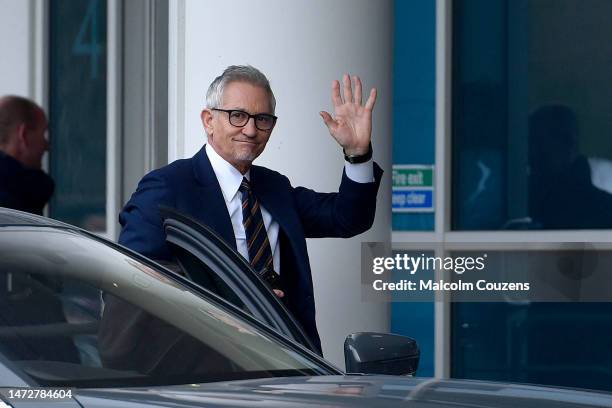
(301,45)
(16,42)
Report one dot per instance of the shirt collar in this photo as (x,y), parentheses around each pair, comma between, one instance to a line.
(228,176)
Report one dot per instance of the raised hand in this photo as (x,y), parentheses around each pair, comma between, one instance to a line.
(351,125)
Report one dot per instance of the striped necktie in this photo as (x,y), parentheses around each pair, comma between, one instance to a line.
(260,254)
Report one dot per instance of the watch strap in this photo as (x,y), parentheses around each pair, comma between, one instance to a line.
(358,158)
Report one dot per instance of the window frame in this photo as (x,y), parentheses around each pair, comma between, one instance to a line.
(458,240)
(210,249)
(150,93)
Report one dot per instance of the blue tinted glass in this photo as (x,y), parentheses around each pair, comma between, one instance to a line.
(554,343)
(530,151)
(530,119)
(77,107)
(565,344)
(414,86)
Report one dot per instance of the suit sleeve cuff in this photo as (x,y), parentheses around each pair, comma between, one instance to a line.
(360,173)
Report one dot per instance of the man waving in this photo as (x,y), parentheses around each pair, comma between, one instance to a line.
(254,209)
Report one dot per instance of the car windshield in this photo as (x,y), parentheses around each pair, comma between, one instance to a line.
(76,312)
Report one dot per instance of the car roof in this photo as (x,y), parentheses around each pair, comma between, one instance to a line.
(14,217)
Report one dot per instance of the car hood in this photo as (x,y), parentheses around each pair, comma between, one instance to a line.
(344,391)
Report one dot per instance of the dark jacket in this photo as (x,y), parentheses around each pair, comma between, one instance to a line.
(22,188)
(190,186)
(569,200)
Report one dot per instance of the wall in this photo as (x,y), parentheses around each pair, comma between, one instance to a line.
(301,46)
(16,68)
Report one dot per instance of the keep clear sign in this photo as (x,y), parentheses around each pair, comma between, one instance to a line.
(413,188)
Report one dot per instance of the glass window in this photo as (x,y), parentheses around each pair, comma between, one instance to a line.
(194,269)
(75,312)
(553,343)
(414,84)
(77,112)
(530,119)
(562,344)
(530,151)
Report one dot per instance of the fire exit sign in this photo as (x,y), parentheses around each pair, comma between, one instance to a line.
(413,188)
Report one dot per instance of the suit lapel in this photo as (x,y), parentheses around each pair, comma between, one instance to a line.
(209,206)
(274,200)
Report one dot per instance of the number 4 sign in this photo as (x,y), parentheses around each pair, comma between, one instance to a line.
(91,48)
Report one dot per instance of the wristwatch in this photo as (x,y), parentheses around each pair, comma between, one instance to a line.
(269,276)
(358,158)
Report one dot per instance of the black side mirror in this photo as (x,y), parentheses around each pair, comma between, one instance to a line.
(381,353)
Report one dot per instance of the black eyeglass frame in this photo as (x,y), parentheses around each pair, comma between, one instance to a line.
(230,111)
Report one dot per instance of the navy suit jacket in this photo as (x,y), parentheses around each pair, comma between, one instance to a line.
(191,187)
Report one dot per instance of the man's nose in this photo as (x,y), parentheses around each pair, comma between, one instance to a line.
(249,129)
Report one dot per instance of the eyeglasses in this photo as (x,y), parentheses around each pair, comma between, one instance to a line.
(238,118)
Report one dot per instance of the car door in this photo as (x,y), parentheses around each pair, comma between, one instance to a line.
(205,258)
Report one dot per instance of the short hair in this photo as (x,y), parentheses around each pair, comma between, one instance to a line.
(13,111)
(554,126)
(237,73)
(553,139)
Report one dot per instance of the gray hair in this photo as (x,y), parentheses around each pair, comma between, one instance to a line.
(15,110)
(237,73)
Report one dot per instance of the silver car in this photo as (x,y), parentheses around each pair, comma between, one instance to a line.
(87,323)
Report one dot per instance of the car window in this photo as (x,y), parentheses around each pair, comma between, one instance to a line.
(76,312)
(206,259)
(202,274)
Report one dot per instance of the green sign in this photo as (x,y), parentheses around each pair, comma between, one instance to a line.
(408,175)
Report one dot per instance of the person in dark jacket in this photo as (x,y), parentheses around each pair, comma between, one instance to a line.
(562,193)
(32,299)
(23,185)
(256,210)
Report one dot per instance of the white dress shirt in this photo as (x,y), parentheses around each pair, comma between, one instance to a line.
(229,179)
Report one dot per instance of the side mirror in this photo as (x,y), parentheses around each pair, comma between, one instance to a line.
(381,353)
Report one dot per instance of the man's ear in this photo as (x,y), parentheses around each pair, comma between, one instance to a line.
(22,138)
(207,120)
